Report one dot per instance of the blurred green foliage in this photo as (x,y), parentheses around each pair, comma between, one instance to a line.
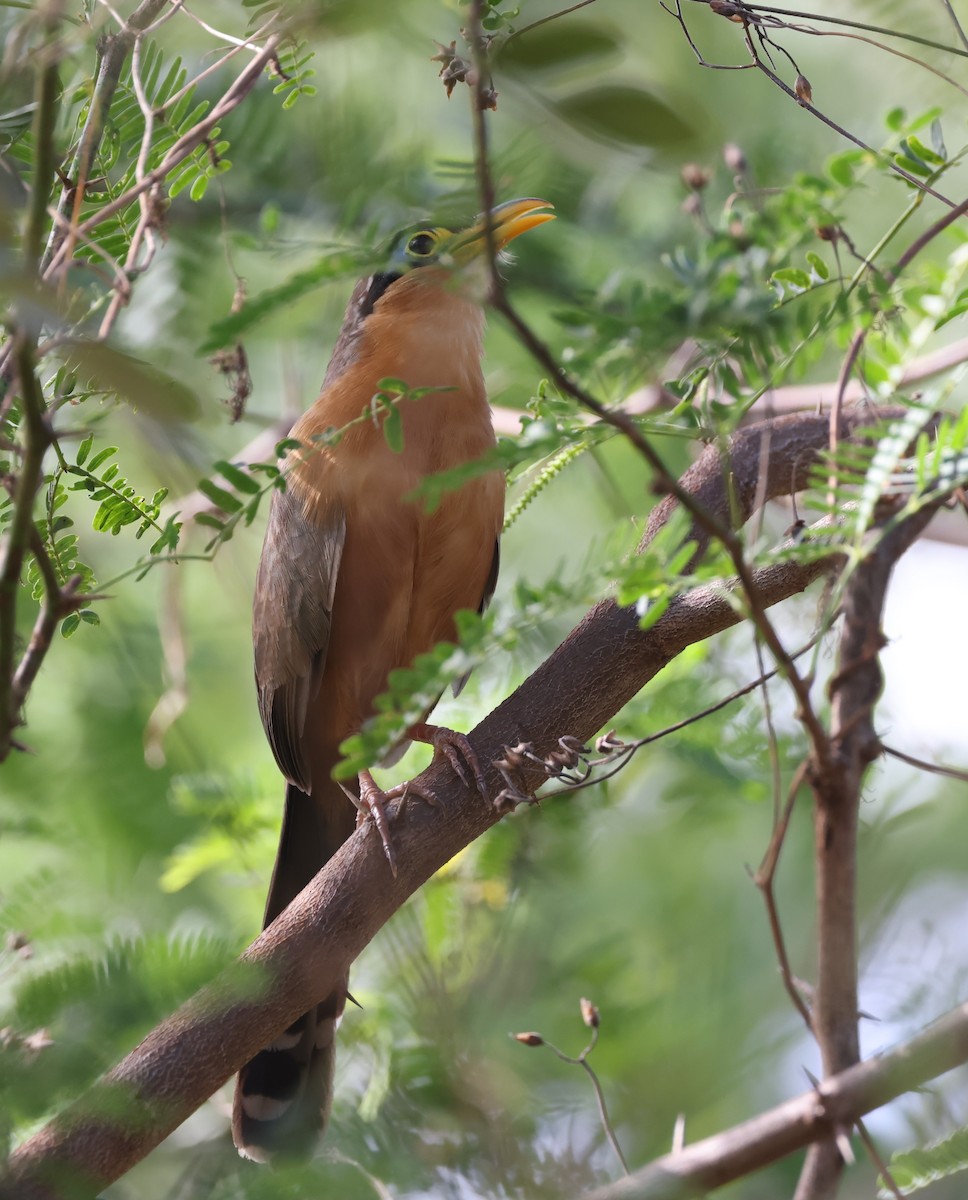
(138,832)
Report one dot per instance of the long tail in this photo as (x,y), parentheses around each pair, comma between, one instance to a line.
(283,1095)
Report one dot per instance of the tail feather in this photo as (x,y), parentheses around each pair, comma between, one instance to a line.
(283,1095)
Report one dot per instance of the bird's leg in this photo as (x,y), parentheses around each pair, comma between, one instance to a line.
(455,748)
(372,802)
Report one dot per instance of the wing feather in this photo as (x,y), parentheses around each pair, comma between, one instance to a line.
(291,619)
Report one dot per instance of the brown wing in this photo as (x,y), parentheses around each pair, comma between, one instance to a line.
(291,618)
(458,685)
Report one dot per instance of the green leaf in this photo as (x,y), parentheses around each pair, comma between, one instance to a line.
(625,114)
(70,625)
(225,500)
(915,147)
(393,428)
(144,386)
(84,449)
(101,457)
(915,1169)
(794,276)
(818,264)
(239,479)
(558,45)
(841,167)
(395,387)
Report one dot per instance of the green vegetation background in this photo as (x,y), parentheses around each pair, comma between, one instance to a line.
(131,883)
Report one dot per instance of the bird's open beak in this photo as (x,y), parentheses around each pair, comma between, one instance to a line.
(508,221)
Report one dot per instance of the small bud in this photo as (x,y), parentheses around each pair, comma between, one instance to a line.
(528,1039)
(803,89)
(828,233)
(589,1014)
(735,159)
(723,8)
(695,177)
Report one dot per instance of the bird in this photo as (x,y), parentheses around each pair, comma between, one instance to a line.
(357,577)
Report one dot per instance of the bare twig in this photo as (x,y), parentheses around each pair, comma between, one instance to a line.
(592,1020)
(922,765)
(764,878)
(928,236)
(957,24)
(878,1160)
(904,35)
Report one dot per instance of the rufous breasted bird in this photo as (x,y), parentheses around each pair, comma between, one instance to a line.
(357,577)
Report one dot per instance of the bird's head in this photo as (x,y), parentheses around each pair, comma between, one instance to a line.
(420,317)
(455,260)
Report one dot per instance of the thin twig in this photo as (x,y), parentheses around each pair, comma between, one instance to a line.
(922,765)
(764,878)
(845,133)
(846,370)
(551,17)
(57,603)
(957,24)
(816,16)
(113,56)
(189,141)
(878,1160)
(928,236)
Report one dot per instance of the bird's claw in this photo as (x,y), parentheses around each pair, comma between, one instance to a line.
(372,802)
(512,770)
(456,749)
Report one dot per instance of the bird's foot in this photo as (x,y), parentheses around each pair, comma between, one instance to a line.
(456,749)
(372,802)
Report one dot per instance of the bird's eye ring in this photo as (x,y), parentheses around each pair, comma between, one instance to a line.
(421,245)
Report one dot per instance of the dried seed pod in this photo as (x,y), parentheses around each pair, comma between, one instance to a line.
(695,177)
(590,1014)
(735,159)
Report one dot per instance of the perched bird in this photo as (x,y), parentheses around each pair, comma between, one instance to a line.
(357,578)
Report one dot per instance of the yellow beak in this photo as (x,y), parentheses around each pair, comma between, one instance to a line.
(508,221)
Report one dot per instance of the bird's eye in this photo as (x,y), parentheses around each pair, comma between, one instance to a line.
(421,245)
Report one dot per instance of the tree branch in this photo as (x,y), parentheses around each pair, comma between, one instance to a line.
(115,50)
(834,1104)
(854,691)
